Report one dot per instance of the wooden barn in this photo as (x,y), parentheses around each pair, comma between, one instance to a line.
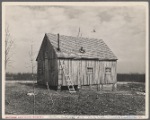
(75,61)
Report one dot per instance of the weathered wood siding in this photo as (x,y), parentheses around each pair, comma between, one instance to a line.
(47,64)
(78,71)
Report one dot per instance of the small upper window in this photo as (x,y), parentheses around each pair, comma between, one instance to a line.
(90,70)
(107,69)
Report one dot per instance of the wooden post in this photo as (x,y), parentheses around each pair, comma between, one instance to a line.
(101,86)
(59,87)
(114,87)
(90,86)
(79,87)
(47,85)
(89,83)
(97,87)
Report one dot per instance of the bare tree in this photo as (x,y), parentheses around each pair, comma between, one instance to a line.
(31,56)
(9,42)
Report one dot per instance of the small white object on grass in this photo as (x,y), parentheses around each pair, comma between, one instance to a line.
(31,94)
(140,93)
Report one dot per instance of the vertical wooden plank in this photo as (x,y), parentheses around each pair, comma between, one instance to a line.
(53,72)
(94,72)
(89,61)
(66,66)
(113,72)
(87,65)
(61,63)
(72,71)
(90,65)
(84,71)
(103,72)
(99,72)
(75,71)
(56,72)
(87,79)
(85,68)
(46,71)
(105,63)
(59,72)
(64,69)
(116,71)
(69,73)
(80,72)
(49,71)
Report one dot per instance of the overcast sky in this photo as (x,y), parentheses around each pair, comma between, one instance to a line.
(121,27)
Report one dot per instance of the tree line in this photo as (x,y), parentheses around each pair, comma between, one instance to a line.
(131,77)
(20,76)
(120,77)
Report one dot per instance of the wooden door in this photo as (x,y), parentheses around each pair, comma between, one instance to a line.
(89,75)
(108,76)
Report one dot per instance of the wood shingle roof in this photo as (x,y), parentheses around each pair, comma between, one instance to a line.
(80,47)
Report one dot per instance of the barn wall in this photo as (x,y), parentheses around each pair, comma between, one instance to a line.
(41,64)
(47,64)
(53,67)
(77,69)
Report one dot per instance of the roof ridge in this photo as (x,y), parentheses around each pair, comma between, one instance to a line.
(74,36)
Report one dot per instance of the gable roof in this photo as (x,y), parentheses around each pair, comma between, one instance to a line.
(70,47)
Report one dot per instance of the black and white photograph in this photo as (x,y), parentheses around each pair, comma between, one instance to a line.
(75,60)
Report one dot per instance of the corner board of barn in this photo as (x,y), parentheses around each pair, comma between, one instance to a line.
(75,61)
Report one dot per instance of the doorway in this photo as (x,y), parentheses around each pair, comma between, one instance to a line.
(89,75)
(108,76)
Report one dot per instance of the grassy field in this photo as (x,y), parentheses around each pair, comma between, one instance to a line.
(124,101)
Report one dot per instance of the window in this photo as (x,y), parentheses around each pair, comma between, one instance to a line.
(90,70)
(107,69)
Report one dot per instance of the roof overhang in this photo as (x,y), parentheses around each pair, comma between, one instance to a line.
(75,58)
